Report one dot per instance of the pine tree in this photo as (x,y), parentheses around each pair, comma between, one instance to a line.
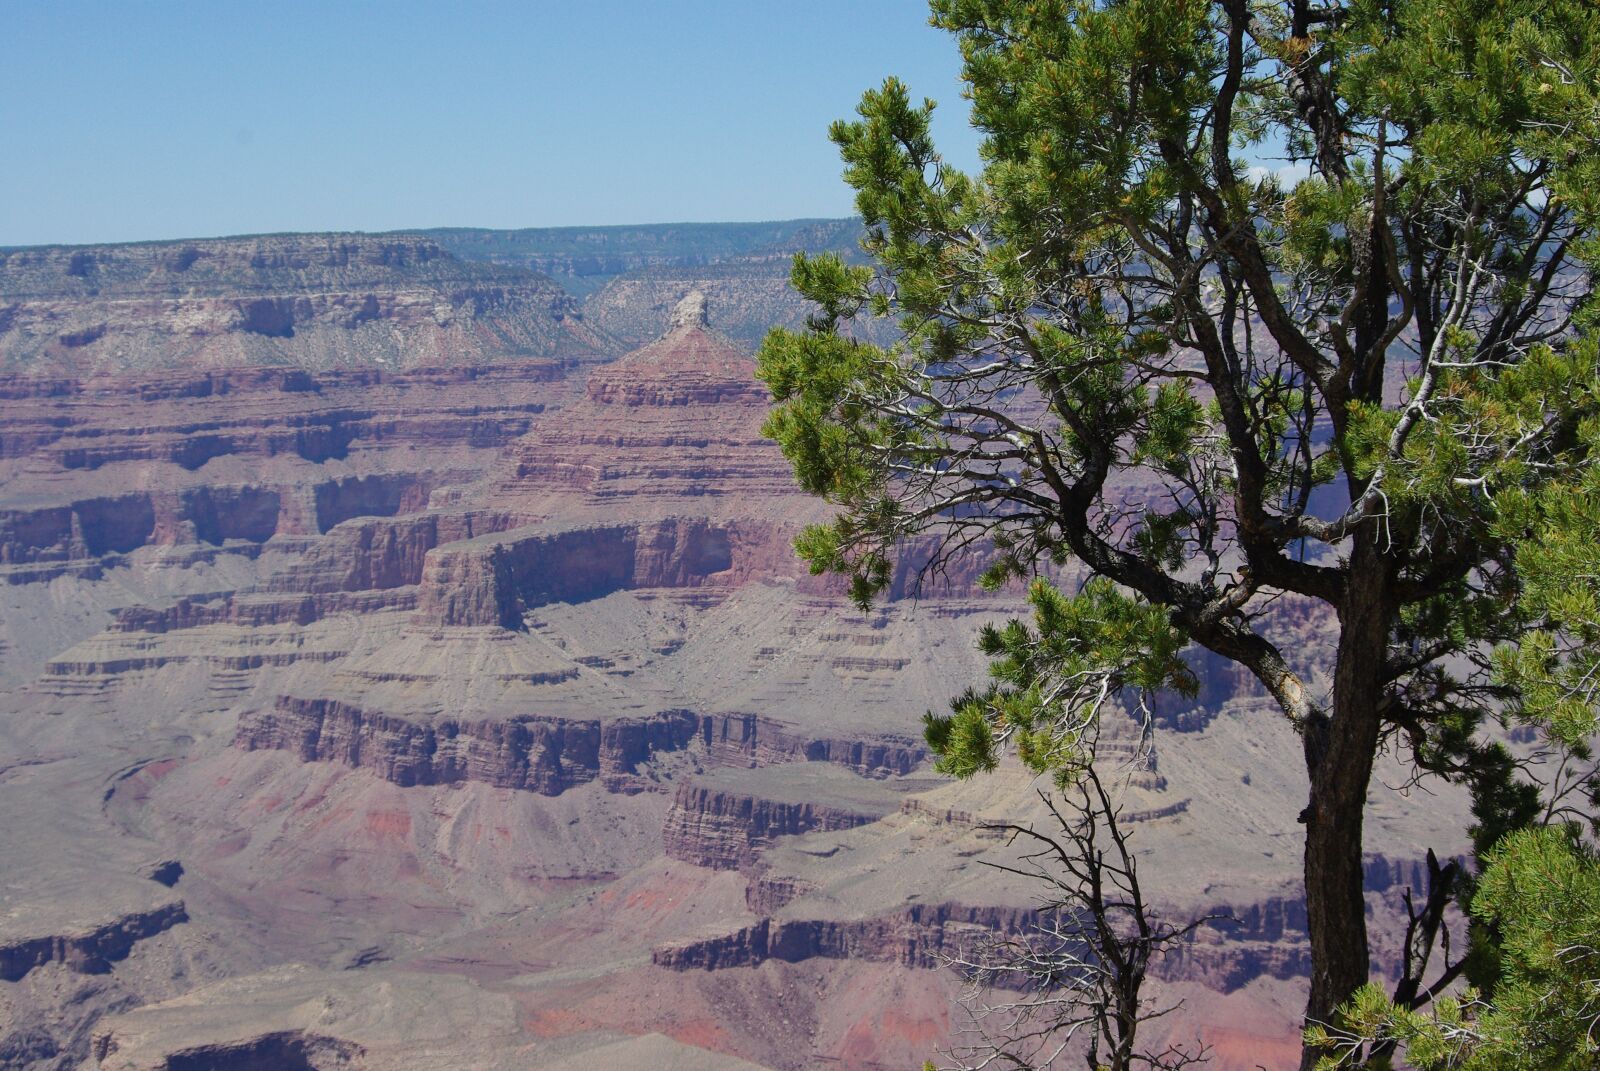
(1541,1008)
(1368,379)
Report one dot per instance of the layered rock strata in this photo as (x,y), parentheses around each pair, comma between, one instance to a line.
(186,418)
(1238,944)
(726,830)
(543,755)
(494,580)
(373,554)
(753,740)
(234,460)
(516,593)
(1266,940)
(551,754)
(922,936)
(677,420)
(307,300)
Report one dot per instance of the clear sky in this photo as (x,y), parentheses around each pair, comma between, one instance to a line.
(140,119)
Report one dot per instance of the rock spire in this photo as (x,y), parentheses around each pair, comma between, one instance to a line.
(690,313)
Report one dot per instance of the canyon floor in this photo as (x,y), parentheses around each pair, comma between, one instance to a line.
(404,664)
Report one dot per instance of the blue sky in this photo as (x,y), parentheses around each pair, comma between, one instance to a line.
(161,119)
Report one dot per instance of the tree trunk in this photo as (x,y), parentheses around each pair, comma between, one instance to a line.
(1340,751)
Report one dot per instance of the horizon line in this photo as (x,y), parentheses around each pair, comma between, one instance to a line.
(425,231)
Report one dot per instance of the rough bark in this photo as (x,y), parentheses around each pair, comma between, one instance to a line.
(1339,751)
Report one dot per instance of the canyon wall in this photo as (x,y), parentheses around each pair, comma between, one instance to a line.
(534,754)
(315,301)
(726,830)
(492,580)
(428,635)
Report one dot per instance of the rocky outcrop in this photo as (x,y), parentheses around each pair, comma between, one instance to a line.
(922,935)
(95,527)
(1240,943)
(379,495)
(283,1050)
(469,586)
(1382,873)
(362,567)
(493,580)
(534,754)
(89,528)
(89,951)
(726,830)
(551,754)
(166,872)
(749,299)
(379,553)
(952,818)
(752,740)
(584,259)
(73,446)
(766,894)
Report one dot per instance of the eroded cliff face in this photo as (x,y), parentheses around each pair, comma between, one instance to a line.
(87,950)
(1244,943)
(675,422)
(534,754)
(236,460)
(552,754)
(750,739)
(727,830)
(95,528)
(374,552)
(493,580)
(188,419)
(278,1050)
(923,936)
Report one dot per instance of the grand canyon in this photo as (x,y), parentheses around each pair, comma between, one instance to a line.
(404,663)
